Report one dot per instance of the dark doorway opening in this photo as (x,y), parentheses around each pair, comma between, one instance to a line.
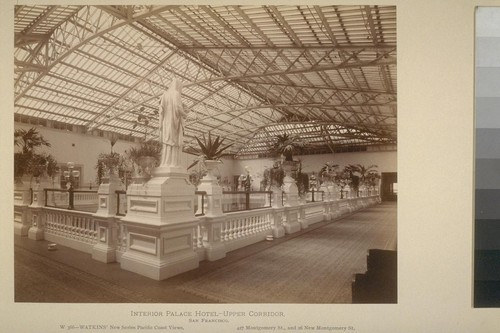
(389,186)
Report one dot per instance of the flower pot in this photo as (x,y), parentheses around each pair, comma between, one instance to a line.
(147,164)
(211,165)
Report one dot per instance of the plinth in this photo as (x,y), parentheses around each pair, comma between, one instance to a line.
(160,224)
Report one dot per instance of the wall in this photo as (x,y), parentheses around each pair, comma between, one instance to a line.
(82,149)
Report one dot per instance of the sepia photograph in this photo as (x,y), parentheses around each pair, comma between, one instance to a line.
(271,167)
(237,154)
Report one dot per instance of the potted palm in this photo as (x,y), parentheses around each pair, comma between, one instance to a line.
(361,173)
(286,145)
(343,179)
(27,162)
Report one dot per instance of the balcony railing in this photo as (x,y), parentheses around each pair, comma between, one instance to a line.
(315,196)
(79,200)
(235,201)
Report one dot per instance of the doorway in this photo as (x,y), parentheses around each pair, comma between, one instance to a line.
(389,186)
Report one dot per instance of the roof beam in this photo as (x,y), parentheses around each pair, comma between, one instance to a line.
(326,48)
(312,69)
(86,40)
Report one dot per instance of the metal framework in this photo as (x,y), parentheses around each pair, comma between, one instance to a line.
(327,73)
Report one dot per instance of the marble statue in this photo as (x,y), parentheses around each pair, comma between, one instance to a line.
(172,117)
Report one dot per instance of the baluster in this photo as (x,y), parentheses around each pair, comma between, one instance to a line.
(195,238)
(235,230)
(262,221)
(244,226)
(250,225)
(199,239)
(243,229)
(230,230)
(240,231)
(80,230)
(223,232)
(262,224)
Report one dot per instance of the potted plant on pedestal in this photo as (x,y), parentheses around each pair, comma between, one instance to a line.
(371,181)
(29,163)
(302,180)
(144,159)
(343,179)
(108,165)
(327,175)
(209,152)
(287,145)
(362,174)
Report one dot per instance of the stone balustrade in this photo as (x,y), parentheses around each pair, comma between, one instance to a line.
(104,235)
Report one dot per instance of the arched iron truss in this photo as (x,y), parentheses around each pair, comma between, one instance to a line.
(327,73)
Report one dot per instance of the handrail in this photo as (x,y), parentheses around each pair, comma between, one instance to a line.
(313,198)
(71,195)
(247,199)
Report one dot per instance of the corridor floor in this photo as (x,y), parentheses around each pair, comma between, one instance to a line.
(70,276)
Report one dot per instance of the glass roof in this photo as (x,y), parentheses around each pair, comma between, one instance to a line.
(250,73)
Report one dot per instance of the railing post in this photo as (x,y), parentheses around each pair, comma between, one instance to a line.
(302,217)
(277,223)
(247,200)
(21,211)
(71,198)
(212,237)
(38,199)
(107,235)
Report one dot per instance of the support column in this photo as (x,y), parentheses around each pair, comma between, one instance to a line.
(160,225)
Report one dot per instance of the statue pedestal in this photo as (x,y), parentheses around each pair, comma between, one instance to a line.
(160,225)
